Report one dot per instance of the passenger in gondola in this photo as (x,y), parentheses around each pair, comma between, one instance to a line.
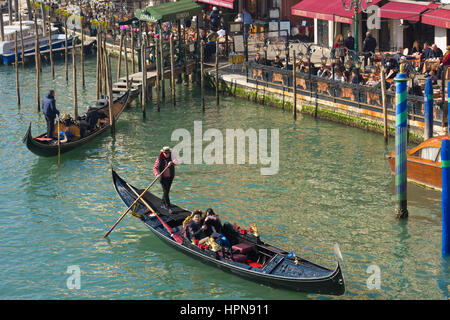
(196,230)
(165,159)
(212,223)
(50,112)
(89,123)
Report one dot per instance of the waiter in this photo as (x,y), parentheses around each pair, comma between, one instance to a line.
(164,160)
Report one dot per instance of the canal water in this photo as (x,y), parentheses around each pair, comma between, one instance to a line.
(333,186)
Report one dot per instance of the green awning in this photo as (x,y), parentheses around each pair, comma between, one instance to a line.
(169,11)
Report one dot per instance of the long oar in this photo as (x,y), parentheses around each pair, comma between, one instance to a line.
(59,144)
(123,215)
(176,237)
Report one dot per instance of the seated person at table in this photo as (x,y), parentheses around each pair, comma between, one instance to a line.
(277,62)
(259,59)
(416,51)
(415,89)
(357,77)
(392,67)
(323,71)
(407,67)
(372,81)
(212,223)
(337,76)
(90,121)
(436,52)
(196,229)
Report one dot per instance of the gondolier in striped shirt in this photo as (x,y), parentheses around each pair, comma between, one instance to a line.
(165,159)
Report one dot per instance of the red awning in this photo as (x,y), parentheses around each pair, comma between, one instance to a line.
(438,18)
(325,10)
(220,3)
(406,11)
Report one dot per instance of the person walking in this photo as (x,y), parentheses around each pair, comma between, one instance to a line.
(50,112)
(165,159)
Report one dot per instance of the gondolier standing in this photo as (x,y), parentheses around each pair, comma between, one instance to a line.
(50,112)
(165,159)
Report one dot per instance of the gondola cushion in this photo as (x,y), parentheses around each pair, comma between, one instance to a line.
(240,258)
(242,248)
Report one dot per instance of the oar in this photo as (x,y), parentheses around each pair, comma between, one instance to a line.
(123,215)
(59,144)
(176,237)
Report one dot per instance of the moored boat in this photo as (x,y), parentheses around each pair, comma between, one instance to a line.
(250,257)
(423,163)
(47,147)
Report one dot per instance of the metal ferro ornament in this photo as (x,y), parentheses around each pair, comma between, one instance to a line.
(356,5)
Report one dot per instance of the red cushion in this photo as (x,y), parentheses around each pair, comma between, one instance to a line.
(242,248)
(240,258)
(43,139)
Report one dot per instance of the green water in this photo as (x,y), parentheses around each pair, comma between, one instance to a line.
(333,186)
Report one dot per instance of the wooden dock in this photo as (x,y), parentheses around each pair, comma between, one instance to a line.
(136,79)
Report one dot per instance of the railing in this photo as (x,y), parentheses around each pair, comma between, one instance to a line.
(358,96)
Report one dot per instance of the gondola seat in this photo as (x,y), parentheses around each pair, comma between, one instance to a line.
(242,248)
(242,258)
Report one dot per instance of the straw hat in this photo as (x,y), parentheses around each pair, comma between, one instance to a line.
(166,149)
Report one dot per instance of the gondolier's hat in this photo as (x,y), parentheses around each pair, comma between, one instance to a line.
(166,149)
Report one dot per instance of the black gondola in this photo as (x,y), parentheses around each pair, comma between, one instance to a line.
(43,148)
(262,262)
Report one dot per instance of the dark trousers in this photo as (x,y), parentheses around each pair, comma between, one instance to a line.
(50,126)
(166,183)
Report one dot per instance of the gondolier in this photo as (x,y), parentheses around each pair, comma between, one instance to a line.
(165,159)
(50,112)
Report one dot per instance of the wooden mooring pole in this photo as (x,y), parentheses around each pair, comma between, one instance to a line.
(83,81)
(74,79)
(98,69)
(161,55)
(172,71)
(37,62)
(144,79)
(158,89)
(2,28)
(294,87)
(50,43)
(126,62)
(383,101)
(16,62)
(202,76)
(119,59)
(66,50)
(133,64)
(401,127)
(21,40)
(217,71)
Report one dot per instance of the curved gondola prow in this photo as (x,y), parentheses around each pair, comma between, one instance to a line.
(27,135)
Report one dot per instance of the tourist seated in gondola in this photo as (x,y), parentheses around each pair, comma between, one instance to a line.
(212,223)
(196,230)
(89,123)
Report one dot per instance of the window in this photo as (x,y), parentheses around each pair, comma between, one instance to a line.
(429,153)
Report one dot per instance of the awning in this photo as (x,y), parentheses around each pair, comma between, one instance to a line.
(220,3)
(331,10)
(438,18)
(406,11)
(169,11)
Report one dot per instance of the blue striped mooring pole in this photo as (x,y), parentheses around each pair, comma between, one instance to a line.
(428,133)
(445,163)
(448,105)
(401,121)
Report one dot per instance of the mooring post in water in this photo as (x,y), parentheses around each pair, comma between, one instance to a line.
(294,87)
(75,94)
(445,163)
(172,70)
(217,71)
(50,43)
(383,99)
(36,61)
(21,40)
(202,77)
(428,133)
(126,61)
(119,58)
(144,79)
(83,82)
(2,28)
(401,120)
(16,62)
(158,89)
(65,51)
(448,105)
(161,55)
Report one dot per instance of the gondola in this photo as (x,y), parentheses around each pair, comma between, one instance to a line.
(249,257)
(44,147)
